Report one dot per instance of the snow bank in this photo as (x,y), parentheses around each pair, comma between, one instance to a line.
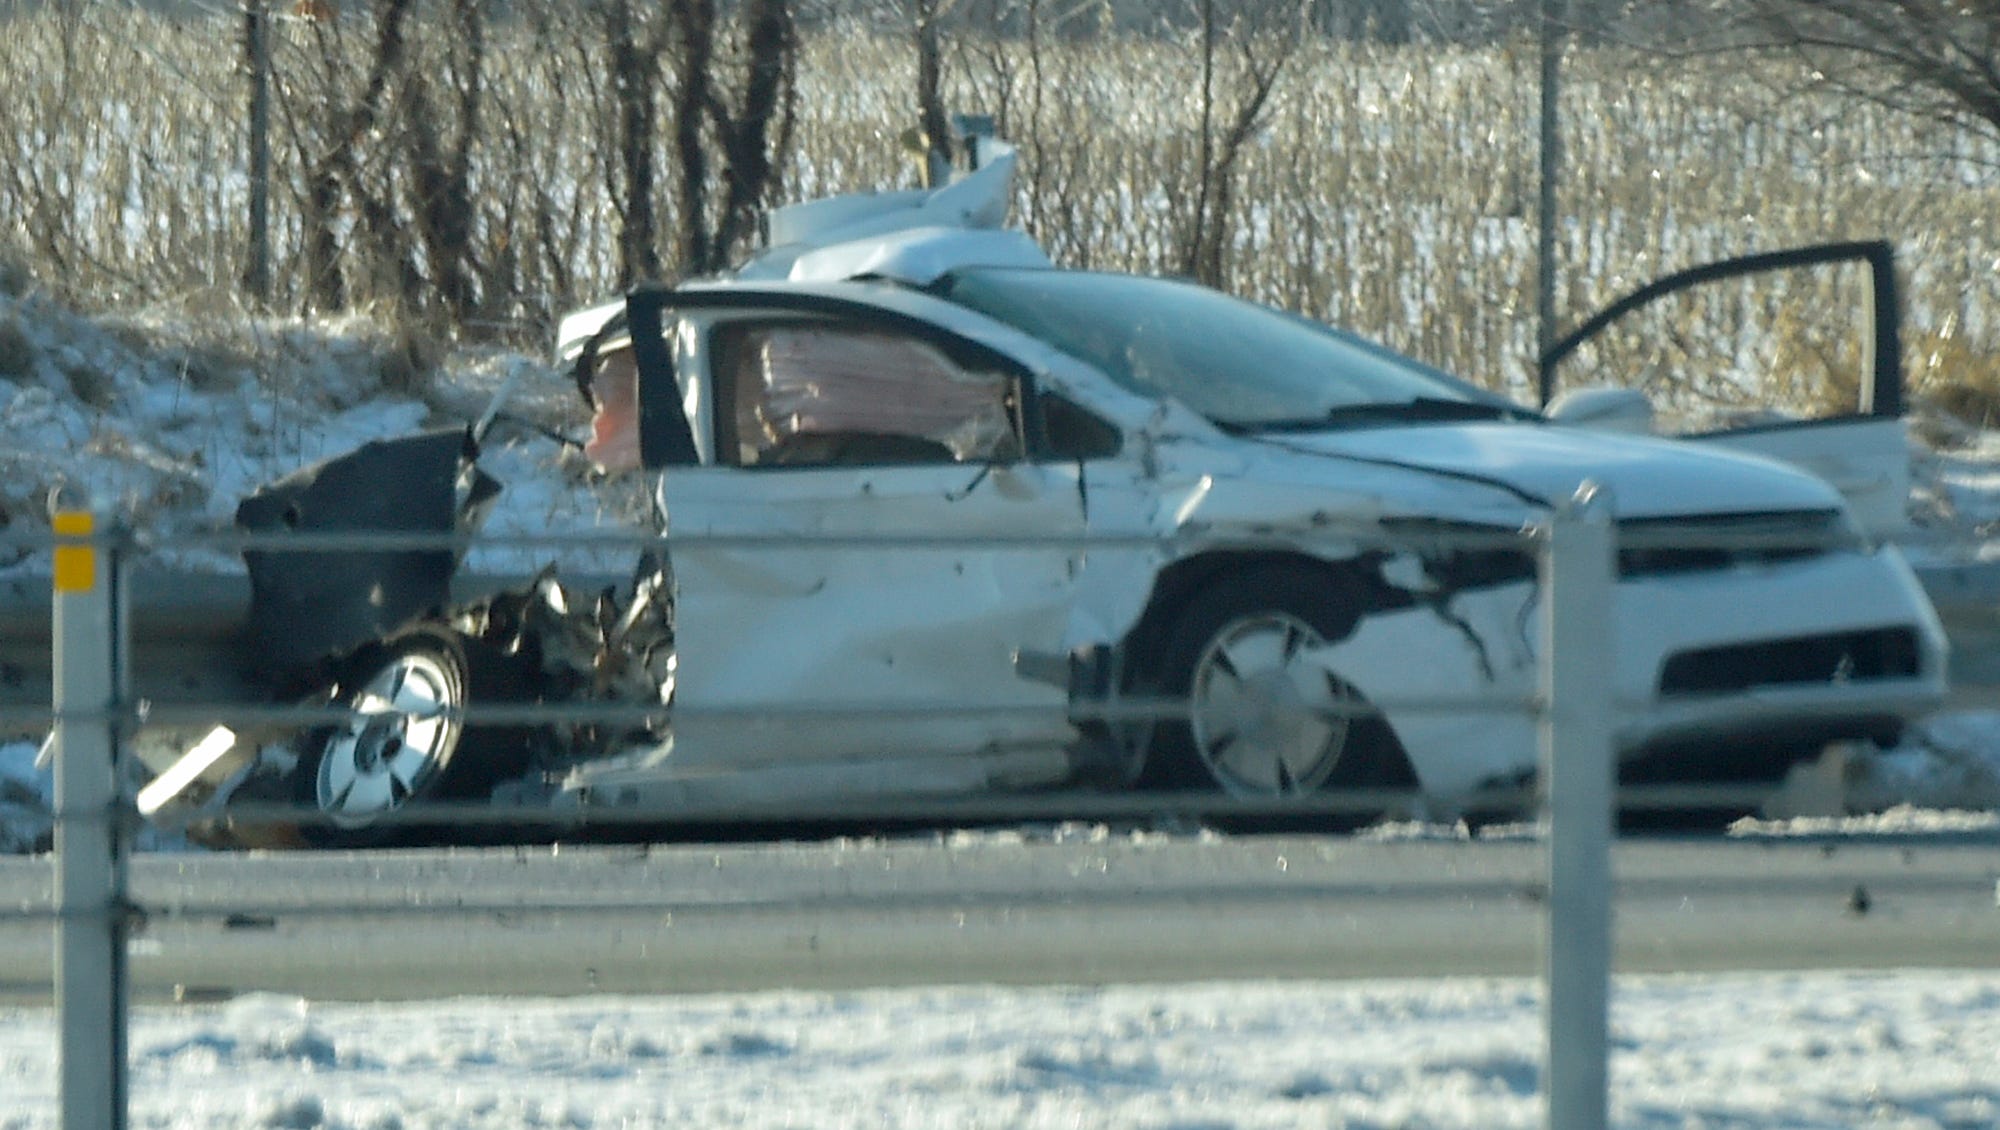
(1810,1050)
(167,422)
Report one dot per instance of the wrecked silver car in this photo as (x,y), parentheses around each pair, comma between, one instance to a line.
(1164,475)
(926,502)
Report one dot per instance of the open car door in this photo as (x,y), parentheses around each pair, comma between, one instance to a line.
(1720,391)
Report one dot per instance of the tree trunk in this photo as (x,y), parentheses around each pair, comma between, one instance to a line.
(633,71)
(750,174)
(694,55)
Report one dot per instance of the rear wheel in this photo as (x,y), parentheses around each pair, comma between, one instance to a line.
(1265,719)
(403,742)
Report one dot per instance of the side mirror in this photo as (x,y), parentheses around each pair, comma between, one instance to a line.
(1604,409)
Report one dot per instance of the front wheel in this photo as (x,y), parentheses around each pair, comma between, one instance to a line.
(1265,719)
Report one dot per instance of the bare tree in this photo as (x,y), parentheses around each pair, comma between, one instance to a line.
(933,125)
(1040,61)
(1240,61)
(765,101)
(257,62)
(331,155)
(743,121)
(1055,129)
(400,120)
(636,44)
(1935,58)
(440,167)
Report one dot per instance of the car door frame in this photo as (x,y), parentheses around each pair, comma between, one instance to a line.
(1863,453)
(1881,394)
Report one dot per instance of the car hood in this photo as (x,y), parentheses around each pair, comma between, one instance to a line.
(1648,478)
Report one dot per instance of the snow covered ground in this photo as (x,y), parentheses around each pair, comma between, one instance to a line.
(168,421)
(1836,1051)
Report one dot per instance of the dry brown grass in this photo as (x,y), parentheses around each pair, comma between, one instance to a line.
(1391,191)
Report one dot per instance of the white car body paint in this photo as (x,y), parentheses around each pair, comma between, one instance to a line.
(874,628)
(1865,458)
(795,655)
(1650,478)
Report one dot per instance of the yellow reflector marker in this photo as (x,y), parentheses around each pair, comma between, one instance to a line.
(76,565)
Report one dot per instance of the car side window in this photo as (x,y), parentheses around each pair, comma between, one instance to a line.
(1069,432)
(818,394)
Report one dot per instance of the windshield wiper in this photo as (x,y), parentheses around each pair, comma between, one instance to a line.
(1422,409)
(1428,408)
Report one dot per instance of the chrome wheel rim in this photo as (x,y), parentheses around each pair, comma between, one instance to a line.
(393,743)
(1264,721)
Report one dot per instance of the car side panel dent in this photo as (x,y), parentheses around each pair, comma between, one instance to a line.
(1142,515)
(884,642)
(1128,546)
(1195,499)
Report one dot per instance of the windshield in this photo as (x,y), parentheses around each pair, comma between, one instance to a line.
(1239,364)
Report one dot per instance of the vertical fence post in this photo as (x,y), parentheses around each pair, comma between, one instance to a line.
(1549,169)
(90,896)
(1578,574)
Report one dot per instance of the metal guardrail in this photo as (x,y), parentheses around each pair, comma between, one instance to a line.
(93,706)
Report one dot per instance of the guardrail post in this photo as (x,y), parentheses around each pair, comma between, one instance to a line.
(1578,575)
(90,894)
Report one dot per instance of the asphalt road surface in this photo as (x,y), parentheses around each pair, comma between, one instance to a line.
(996,908)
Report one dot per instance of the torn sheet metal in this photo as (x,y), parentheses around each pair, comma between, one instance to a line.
(599,648)
(866,233)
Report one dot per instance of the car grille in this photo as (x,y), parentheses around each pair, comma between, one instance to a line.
(1882,653)
(1651,547)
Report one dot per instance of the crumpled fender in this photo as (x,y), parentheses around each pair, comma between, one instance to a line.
(1190,498)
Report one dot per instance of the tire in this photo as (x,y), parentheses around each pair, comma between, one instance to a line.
(400,748)
(1262,722)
